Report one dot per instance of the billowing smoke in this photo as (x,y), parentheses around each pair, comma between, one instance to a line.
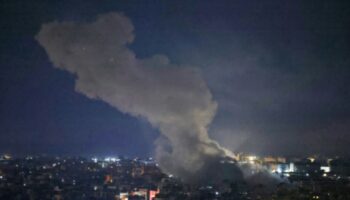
(173,98)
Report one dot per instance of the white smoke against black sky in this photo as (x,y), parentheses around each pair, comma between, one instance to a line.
(173,98)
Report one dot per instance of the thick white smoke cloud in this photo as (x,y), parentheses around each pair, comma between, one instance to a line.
(173,98)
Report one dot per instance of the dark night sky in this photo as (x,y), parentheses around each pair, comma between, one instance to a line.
(279,70)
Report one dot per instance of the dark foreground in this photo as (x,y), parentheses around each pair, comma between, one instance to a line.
(127,179)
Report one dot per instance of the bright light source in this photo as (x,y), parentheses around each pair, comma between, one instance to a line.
(251,158)
(291,167)
(326,169)
(279,169)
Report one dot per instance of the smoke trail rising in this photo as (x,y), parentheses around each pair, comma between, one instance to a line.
(174,99)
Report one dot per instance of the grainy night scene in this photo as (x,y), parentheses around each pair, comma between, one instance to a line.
(174,100)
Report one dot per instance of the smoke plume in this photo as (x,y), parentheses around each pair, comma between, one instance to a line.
(173,98)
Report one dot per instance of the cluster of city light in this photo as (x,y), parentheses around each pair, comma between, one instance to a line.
(279,165)
(106,159)
(112,159)
(252,159)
